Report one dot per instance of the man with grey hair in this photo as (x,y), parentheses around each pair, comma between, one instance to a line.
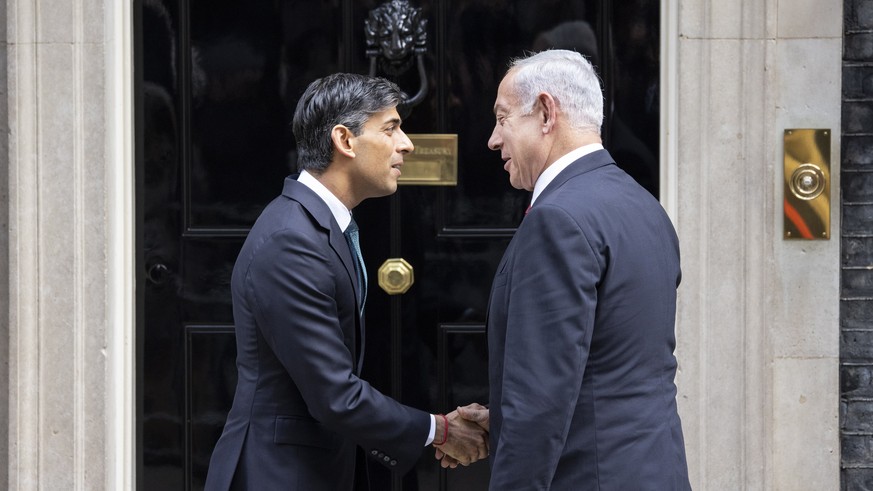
(582,308)
(301,410)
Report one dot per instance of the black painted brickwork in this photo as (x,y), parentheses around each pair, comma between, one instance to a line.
(856,249)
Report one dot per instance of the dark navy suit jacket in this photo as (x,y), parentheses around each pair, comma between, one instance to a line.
(581,339)
(300,407)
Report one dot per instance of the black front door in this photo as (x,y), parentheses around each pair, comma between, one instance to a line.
(217,82)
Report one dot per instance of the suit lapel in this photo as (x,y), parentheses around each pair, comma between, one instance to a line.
(322,214)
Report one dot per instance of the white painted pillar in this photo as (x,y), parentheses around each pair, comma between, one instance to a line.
(758,322)
(69,216)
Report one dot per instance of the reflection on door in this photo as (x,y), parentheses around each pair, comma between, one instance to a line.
(217,82)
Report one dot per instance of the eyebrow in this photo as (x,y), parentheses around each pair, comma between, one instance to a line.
(392,122)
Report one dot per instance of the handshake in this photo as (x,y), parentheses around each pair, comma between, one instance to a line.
(464,434)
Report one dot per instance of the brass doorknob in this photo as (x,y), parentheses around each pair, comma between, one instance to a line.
(396,276)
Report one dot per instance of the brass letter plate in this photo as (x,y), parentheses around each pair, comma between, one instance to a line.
(807,200)
(434,161)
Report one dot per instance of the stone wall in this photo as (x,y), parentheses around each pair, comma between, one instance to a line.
(758,319)
(58,229)
(4,254)
(856,312)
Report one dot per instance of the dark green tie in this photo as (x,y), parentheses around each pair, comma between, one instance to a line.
(351,234)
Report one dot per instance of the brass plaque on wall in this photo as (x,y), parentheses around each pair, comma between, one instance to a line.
(434,161)
(807,173)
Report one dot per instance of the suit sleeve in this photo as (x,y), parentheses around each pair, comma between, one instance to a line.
(551,308)
(292,282)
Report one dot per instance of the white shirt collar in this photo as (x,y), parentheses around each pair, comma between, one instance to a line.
(341,214)
(562,163)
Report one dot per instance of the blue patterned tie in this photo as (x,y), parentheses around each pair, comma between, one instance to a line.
(351,234)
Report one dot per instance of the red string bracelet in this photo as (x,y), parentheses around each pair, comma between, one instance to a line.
(445,431)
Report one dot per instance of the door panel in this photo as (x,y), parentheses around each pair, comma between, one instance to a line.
(217,83)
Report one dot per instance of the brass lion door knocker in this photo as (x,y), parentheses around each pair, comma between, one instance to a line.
(395,32)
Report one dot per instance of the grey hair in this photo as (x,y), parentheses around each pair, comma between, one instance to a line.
(569,78)
(348,99)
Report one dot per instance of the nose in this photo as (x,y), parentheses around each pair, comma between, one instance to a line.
(404,145)
(495,142)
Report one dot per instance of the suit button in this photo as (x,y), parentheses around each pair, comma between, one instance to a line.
(393,463)
(381,455)
(386,458)
(374,452)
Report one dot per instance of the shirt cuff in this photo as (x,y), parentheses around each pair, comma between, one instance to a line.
(432,430)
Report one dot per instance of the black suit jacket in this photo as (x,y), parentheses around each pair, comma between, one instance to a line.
(581,339)
(300,407)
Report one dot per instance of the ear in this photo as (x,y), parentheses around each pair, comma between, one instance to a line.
(343,140)
(548,108)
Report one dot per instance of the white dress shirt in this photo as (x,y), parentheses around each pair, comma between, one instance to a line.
(562,163)
(341,214)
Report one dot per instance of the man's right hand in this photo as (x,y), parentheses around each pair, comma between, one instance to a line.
(467,441)
(472,423)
